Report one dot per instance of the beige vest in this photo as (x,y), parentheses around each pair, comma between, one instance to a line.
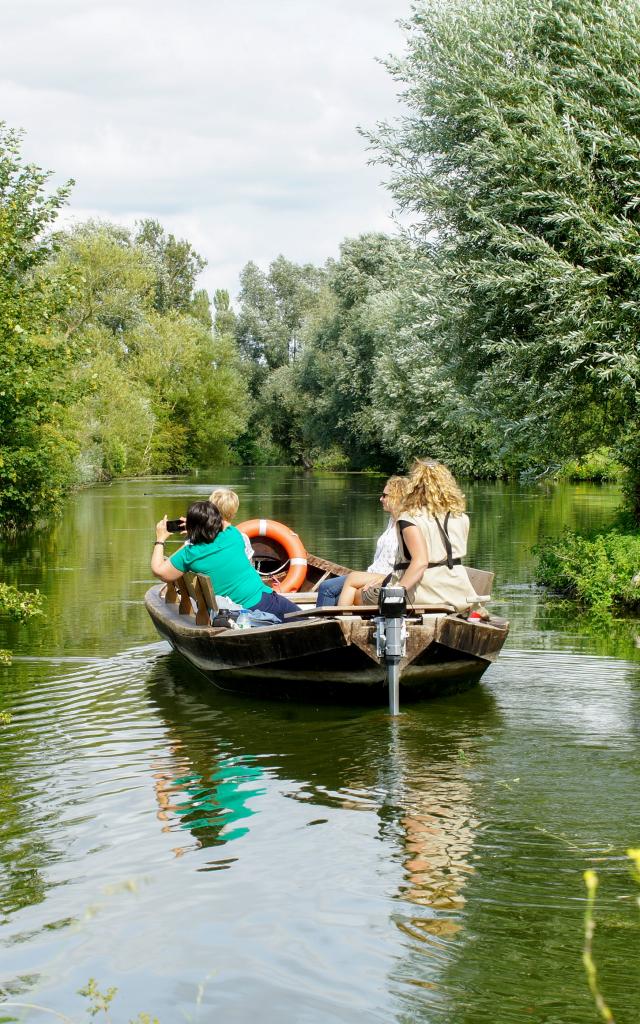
(441,585)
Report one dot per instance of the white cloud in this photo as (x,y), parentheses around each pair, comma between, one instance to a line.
(234,123)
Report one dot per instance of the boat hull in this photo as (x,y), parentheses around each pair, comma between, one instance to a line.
(331,658)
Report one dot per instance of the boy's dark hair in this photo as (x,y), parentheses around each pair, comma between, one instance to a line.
(204,522)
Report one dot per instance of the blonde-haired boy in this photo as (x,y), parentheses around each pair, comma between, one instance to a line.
(227,502)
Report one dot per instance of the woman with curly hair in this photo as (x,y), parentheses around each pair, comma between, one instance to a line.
(432,536)
(220,554)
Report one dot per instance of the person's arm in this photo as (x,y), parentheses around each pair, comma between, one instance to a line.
(248,548)
(160,565)
(417,548)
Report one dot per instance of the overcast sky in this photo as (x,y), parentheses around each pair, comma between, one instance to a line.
(233,122)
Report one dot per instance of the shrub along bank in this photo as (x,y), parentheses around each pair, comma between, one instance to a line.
(601,572)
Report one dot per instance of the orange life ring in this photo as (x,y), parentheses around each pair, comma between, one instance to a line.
(291,543)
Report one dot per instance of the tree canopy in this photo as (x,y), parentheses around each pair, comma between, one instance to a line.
(518,162)
(35,457)
(108,363)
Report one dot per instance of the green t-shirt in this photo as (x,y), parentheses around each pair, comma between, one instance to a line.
(226,562)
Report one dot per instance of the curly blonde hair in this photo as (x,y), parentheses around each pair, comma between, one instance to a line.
(432,488)
(396,488)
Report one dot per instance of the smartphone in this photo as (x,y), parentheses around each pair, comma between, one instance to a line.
(175,525)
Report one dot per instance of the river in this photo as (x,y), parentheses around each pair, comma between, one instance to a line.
(223,858)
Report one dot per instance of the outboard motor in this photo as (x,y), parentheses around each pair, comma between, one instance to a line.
(391,638)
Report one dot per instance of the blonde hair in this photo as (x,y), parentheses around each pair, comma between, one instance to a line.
(396,488)
(226,501)
(432,488)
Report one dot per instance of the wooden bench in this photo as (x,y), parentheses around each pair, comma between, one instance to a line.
(196,587)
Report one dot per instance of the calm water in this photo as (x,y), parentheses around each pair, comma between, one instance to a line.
(219,858)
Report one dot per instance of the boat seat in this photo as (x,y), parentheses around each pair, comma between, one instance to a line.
(177,590)
(200,588)
(304,597)
(481,581)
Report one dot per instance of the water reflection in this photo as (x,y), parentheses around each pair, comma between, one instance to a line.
(210,805)
(411,774)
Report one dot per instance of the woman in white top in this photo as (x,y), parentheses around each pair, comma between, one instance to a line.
(432,536)
(386,549)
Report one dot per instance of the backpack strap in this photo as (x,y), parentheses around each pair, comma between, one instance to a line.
(449,561)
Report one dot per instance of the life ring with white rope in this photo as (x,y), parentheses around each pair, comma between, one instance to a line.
(291,543)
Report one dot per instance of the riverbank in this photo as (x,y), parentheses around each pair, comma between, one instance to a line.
(601,572)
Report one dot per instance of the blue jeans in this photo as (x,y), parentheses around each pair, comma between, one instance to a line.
(276,605)
(329,591)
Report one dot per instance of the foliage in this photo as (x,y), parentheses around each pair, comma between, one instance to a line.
(225,318)
(332,459)
(417,405)
(517,161)
(99,1003)
(20,606)
(272,310)
(599,466)
(112,279)
(269,331)
(36,460)
(194,387)
(600,572)
(157,391)
(177,266)
(344,337)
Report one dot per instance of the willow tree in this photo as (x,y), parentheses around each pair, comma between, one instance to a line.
(518,160)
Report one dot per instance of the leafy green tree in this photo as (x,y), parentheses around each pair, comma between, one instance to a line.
(273,308)
(158,392)
(113,280)
(113,423)
(344,338)
(270,328)
(177,267)
(417,408)
(36,459)
(518,161)
(200,308)
(225,318)
(195,389)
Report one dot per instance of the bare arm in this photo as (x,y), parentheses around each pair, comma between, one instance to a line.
(417,549)
(161,566)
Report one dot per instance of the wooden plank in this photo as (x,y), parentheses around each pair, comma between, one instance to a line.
(327,566)
(185,600)
(324,576)
(171,593)
(195,591)
(366,609)
(208,592)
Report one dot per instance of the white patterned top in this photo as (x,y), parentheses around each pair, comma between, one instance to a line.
(386,550)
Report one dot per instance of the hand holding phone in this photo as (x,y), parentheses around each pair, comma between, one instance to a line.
(175,525)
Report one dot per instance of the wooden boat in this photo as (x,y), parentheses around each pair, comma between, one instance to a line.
(328,652)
